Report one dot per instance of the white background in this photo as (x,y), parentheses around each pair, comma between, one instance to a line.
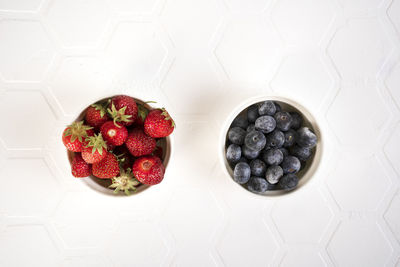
(200,59)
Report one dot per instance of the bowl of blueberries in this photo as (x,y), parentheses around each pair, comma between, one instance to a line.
(271,145)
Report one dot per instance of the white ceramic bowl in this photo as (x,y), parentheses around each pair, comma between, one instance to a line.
(288,105)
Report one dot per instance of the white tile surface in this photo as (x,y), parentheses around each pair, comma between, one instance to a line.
(200,59)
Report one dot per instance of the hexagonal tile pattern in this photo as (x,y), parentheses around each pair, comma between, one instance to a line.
(342,115)
(34,241)
(35,189)
(392,216)
(309,84)
(139,7)
(77,80)
(391,150)
(364,242)
(362,175)
(302,256)
(393,13)
(78,23)
(20,61)
(310,212)
(359,50)
(135,52)
(88,261)
(31,110)
(303,21)
(393,82)
(248,50)
(20,5)
(253,6)
(361,5)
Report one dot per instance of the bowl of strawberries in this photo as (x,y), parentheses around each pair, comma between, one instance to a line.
(121,144)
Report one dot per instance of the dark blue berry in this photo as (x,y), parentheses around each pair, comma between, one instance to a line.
(255,140)
(272,156)
(290,138)
(284,151)
(241,173)
(240,121)
(265,124)
(290,164)
(283,120)
(297,120)
(266,108)
(250,128)
(252,113)
(302,153)
(236,135)
(243,159)
(257,167)
(288,182)
(249,153)
(233,153)
(273,174)
(258,185)
(278,107)
(275,139)
(306,138)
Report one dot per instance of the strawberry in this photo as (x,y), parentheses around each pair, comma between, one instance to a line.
(79,167)
(123,109)
(159,152)
(124,182)
(124,157)
(74,136)
(148,170)
(114,133)
(107,168)
(158,123)
(95,150)
(96,115)
(140,144)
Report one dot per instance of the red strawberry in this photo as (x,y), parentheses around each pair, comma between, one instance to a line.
(95,150)
(140,144)
(79,167)
(74,136)
(123,109)
(96,115)
(107,168)
(159,152)
(114,133)
(158,123)
(148,170)
(124,157)
(124,182)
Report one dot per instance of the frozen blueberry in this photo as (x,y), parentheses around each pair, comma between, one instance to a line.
(257,167)
(272,156)
(233,153)
(288,182)
(258,185)
(284,151)
(275,139)
(265,124)
(302,153)
(297,120)
(250,128)
(290,164)
(255,140)
(290,138)
(240,121)
(283,120)
(273,174)
(252,113)
(266,108)
(306,138)
(236,135)
(241,173)
(249,153)
(278,107)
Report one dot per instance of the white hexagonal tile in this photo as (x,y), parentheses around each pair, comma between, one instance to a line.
(304,20)
(245,6)
(249,50)
(77,81)
(393,12)
(393,82)
(85,219)
(88,261)
(25,50)
(392,216)
(353,180)
(304,218)
(359,243)
(135,52)
(78,23)
(359,49)
(343,115)
(302,256)
(20,5)
(391,149)
(361,5)
(30,110)
(309,80)
(138,7)
(28,245)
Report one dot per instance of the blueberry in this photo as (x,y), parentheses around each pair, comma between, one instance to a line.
(243,159)
(288,182)
(265,124)
(240,121)
(290,164)
(290,138)
(257,167)
(266,108)
(283,120)
(302,153)
(278,107)
(236,135)
(284,151)
(233,153)
(306,138)
(250,128)
(241,173)
(275,139)
(272,156)
(273,174)
(250,154)
(255,140)
(259,185)
(297,120)
(252,113)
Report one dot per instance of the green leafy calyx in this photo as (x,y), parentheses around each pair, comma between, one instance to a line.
(77,130)
(125,182)
(97,143)
(118,115)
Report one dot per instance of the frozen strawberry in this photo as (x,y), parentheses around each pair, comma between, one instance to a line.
(148,170)
(79,167)
(74,136)
(114,133)
(123,109)
(158,123)
(107,168)
(96,115)
(95,150)
(140,144)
